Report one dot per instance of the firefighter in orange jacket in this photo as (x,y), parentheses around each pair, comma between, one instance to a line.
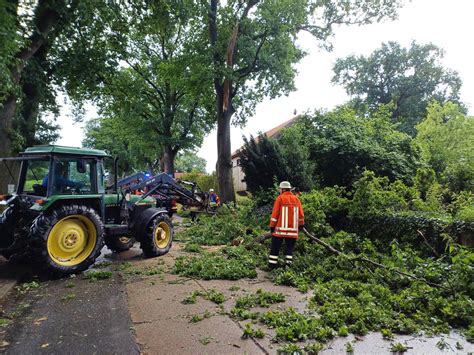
(286,220)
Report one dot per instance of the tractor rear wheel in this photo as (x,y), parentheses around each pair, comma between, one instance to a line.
(158,236)
(68,239)
(119,243)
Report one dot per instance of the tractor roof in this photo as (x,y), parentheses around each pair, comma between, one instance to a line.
(57,149)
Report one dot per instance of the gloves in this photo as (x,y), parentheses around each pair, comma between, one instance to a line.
(272,229)
(300,228)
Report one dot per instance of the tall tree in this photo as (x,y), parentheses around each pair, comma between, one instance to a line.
(253,45)
(407,77)
(160,81)
(135,146)
(29,29)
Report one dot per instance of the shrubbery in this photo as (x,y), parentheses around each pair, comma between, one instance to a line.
(395,225)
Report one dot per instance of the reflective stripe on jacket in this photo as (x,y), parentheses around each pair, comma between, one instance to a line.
(287,216)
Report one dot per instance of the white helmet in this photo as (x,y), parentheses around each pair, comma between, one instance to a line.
(285,185)
(211,190)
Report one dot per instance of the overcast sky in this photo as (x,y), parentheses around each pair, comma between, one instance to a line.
(444,23)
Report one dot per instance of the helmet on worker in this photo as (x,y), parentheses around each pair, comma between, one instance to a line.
(285,186)
(211,190)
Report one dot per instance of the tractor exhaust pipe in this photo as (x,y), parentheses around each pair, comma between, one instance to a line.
(116,174)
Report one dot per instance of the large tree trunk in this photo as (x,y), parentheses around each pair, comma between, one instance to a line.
(6,114)
(225,110)
(224,158)
(168,160)
(29,113)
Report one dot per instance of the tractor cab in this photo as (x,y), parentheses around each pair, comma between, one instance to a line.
(47,171)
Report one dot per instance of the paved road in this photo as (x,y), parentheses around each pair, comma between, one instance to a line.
(70,316)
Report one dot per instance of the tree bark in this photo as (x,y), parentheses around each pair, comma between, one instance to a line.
(224,108)
(168,160)
(224,157)
(6,114)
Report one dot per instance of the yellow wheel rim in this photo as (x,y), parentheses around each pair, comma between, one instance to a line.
(162,235)
(72,240)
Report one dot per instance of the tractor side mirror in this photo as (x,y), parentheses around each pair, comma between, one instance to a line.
(81,166)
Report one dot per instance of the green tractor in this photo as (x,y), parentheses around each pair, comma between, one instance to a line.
(62,213)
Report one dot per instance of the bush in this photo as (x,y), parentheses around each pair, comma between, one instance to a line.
(375,196)
(466,214)
(324,208)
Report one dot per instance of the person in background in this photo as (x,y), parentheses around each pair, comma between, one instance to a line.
(286,221)
(214,200)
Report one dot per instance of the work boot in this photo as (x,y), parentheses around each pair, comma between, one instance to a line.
(272,262)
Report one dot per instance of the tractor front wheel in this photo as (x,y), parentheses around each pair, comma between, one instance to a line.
(68,239)
(158,236)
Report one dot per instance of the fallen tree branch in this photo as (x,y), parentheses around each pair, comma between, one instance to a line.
(428,244)
(352,259)
(259,239)
(369,261)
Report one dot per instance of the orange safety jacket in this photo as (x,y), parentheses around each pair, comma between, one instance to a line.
(287,216)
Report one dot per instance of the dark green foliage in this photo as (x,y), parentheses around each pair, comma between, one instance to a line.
(398,348)
(249,332)
(266,161)
(95,275)
(263,163)
(228,224)
(470,334)
(313,348)
(211,266)
(446,139)
(243,314)
(352,296)
(211,295)
(387,211)
(296,152)
(261,298)
(290,349)
(192,248)
(410,78)
(331,148)
(343,144)
(188,162)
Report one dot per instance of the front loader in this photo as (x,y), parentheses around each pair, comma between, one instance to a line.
(61,213)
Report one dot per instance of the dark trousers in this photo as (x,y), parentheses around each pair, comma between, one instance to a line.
(275,250)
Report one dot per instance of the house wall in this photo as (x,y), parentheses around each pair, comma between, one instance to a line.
(238,175)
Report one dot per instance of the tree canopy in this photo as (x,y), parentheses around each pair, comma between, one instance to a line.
(161,83)
(446,137)
(188,162)
(331,148)
(409,78)
(254,51)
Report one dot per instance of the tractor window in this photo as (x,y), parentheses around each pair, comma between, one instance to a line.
(36,181)
(74,176)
